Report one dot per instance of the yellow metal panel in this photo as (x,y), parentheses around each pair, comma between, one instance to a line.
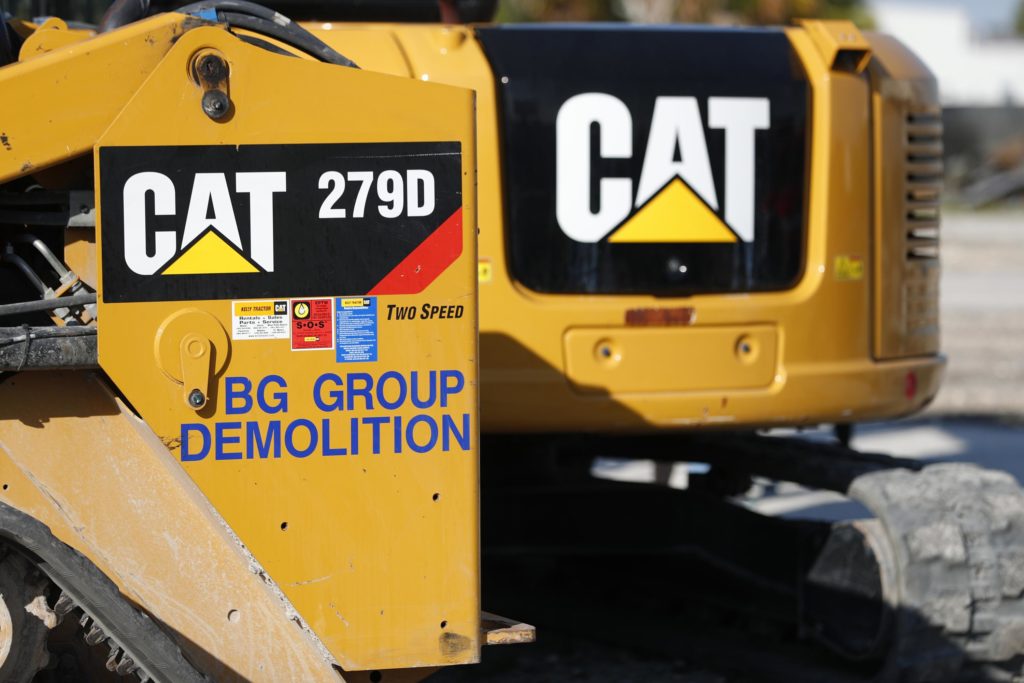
(841,45)
(372,47)
(906,289)
(378,553)
(72,457)
(51,108)
(671,359)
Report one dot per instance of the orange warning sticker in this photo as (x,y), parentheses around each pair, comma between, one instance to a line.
(312,324)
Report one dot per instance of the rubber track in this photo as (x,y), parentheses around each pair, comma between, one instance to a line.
(152,650)
(957,532)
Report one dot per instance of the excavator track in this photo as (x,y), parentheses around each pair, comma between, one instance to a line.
(941,562)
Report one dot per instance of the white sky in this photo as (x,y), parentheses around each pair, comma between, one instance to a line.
(987,16)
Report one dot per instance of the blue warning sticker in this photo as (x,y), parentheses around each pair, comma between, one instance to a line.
(355,329)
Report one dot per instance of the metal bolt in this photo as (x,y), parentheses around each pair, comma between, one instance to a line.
(196,399)
(216,104)
(744,347)
(212,69)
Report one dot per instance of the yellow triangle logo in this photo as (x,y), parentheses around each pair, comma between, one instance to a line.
(210,254)
(675,214)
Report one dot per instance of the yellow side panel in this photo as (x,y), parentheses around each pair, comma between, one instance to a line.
(72,457)
(377,548)
(667,359)
(373,49)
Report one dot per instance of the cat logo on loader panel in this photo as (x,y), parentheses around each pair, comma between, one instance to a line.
(211,242)
(674,199)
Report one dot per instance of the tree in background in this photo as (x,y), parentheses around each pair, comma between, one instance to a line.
(1018,24)
(728,12)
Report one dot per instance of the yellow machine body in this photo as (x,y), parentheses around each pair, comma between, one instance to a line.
(274,466)
(854,337)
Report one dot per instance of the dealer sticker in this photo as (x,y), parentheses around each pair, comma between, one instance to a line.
(252,320)
(312,324)
(356,329)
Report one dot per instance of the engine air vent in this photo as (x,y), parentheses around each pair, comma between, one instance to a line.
(923,183)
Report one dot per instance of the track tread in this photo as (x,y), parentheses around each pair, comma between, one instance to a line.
(958,534)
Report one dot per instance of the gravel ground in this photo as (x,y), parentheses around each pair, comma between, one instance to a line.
(982,295)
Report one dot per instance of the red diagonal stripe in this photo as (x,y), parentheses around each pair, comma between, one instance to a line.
(426,262)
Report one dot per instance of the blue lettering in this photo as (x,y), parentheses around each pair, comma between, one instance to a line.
(328,449)
(397,421)
(432,384)
(337,394)
(271,447)
(186,454)
(360,384)
(410,433)
(280,398)
(289,438)
(448,429)
(376,422)
(220,439)
(239,388)
(448,389)
(402,390)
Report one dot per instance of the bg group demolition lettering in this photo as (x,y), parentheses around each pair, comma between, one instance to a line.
(334,434)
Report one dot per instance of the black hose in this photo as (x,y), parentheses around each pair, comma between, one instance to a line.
(240,6)
(240,13)
(46,304)
(253,17)
(290,34)
(123,12)
(264,45)
(11,336)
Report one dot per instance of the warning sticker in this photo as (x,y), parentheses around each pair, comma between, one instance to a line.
(259,319)
(355,329)
(312,324)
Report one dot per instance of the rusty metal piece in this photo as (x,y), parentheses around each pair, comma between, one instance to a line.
(497,630)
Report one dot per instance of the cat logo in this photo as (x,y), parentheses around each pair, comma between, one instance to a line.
(210,242)
(674,199)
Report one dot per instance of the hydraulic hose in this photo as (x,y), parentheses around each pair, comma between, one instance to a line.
(237,13)
(253,17)
(46,304)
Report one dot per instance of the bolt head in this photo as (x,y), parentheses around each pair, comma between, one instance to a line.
(213,69)
(216,104)
(196,399)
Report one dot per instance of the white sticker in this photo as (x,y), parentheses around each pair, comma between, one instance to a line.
(259,319)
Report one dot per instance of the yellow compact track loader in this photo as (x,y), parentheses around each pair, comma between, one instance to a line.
(220,460)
